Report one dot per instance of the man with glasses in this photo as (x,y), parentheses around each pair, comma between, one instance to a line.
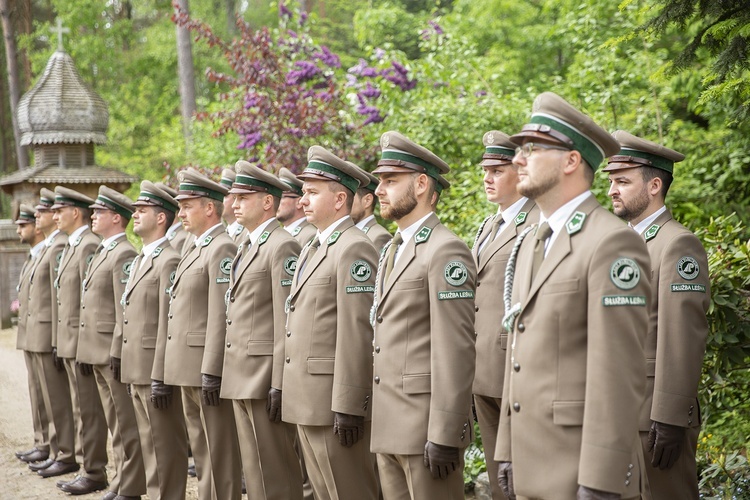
(575,371)
(492,247)
(640,176)
(291,214)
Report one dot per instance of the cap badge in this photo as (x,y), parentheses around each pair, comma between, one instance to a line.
(688,268)
(490,138)
(575,223)
(385,141)
(625,273)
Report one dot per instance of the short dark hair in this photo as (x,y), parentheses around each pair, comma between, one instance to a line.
(335,187)
(649,173)
(170,216)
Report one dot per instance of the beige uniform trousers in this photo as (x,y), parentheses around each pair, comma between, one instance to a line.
(39,417)
(58,405)
(404,477)
(681,481)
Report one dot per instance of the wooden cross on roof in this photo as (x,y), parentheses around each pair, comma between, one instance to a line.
(59,30)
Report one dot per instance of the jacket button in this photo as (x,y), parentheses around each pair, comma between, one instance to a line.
(83,307)
(231,299)
(377,379)
(377,348)
(629,474)
(476,308)
(82,323)
(229,344)
(690,421)
(380,319)
(690,412)
(170,315)
(229,321)
(125,321)
(124,341)
(517,406)
(127,302)
(291,307)
(516,367)
(288,334)
(169,337)
(521,327)
(627,482)
(479,283)
(287,359)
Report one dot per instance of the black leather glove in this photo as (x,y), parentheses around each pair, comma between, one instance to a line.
(665,443)
(349,428)
(585,493)
(441,460)
(114,365)
(161,394)
(85,369)
(211,389)
(505,479)
(58,362)
(273,405)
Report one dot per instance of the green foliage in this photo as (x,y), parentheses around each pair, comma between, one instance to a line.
(474,462)
(389,26)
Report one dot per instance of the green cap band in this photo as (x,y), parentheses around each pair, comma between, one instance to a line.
(588,149)
(245,180)
(656,161)
(64,200)
(497,150)
(430,169)
(202,191)
(372,186)
(345,180)
(115,207)
(295,188)
(226,182)
(159,201)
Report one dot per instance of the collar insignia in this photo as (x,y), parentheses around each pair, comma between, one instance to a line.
(651,231)
(575,223)
(333,238)
(206,241)
(423,235)
(520,218)
(263,237)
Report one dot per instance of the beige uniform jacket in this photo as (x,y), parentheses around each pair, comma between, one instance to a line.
(424,345)
(178,237)
(197,313)
(377,234)
(101,312)
(41,312)
(258,288)
(145,308)
(304,233)
(575,370)
(328,349)
(23,300)
(678,325)
(70,276)
(492,338)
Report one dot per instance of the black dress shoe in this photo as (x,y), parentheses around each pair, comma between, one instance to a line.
(36,467)
(83,485)
(111,495)
(35,456)
(124,497)
(58,469)
(19,454)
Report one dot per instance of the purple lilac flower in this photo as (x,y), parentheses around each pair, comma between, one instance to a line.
(351,80)
(379,53)
(372,113)
(292,34)
(251,100)
(327,57)
(480,93)
(307,71)
(361,69)
(250,140)
(284,11)
(302,18)
(370,91)
(435,26)
(398,75)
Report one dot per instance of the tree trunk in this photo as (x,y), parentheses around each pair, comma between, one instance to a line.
(186,73)
(7,144)
(14,85)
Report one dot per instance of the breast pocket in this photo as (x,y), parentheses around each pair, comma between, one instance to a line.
(321,281)
(409,284)
(561,286)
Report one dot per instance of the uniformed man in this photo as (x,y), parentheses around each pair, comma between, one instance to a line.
(640,176)
(363,212)
(491,250)
(291,214)
(101,327)
(424,333)
(72,214)
(234,228)
(259,284)
(30,234)
(575,372)
(328,352)
(196,335)
(40,318)
(176,234)
(158,407)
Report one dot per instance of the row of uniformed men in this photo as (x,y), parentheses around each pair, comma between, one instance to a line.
(291,341)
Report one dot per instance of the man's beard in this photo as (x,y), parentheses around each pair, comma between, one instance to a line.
(633,209)
(400,208)
(533,191)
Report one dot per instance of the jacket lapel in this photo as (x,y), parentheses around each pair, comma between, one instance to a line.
(140,271)
(246,260)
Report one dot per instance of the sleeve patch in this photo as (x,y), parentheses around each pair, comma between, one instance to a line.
(623,300)
(127,267)
(687,287)
(290,265)
(286,282)
(625,273)
(455,294)
(225,266)
(688,268)
(361,289)
(360,270)
(456,273)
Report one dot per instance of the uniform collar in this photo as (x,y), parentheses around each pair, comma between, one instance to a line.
(75,234)
(173,229)
(330,229)
(199,239)
(409,232)
(363,223)
(105,243)
(646,223)
(149,249)
(255,234)
(292,226)
(36,249)
(49,239)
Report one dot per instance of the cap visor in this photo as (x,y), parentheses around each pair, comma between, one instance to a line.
(188,197)
(495,163)
(531,134)
(247,190)
(389,169)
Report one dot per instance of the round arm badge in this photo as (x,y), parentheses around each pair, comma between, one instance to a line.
(688,268)
(360,270)
(625,273)
(456,273)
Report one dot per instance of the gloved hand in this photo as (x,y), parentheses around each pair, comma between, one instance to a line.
(57,361)
(440,459)
(585,493)
(211,389)
(114,365)
(505,479)
(349,428)
(161,394)
(665,443)
(273,405)
(85,369)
